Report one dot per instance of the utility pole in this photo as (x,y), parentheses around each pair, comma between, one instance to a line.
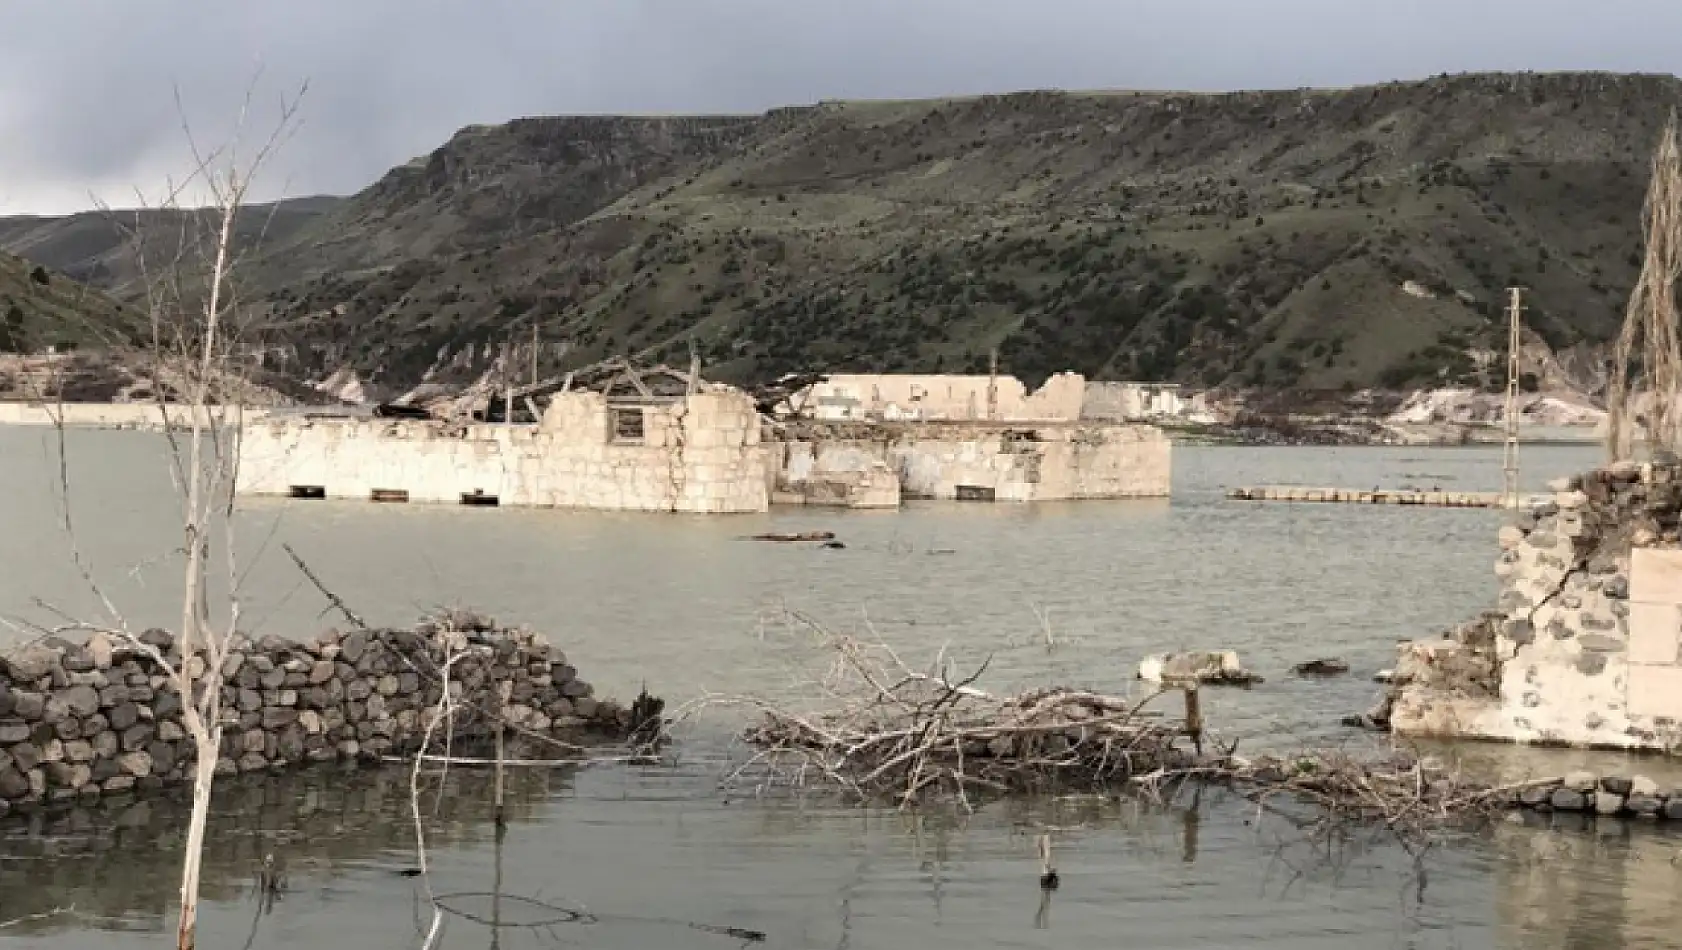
(1509,461)
(993,385)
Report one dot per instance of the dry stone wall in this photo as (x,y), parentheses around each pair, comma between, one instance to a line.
(84,720)
(1583,647)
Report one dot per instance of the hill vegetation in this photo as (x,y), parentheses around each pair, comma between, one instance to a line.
(1304,239)
(40,309)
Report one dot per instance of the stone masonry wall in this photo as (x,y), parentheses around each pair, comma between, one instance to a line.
(1585,644)
(1014,463)
(78,721)
(700,454)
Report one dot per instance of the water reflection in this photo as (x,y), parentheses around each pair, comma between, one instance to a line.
(648,858)
(1588,883)
(115,861)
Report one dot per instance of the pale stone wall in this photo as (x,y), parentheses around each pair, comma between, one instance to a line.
(943,398)
(1137,402)
(115,415)
(1585,646)
(702,454)
(840,474)
(1049,463)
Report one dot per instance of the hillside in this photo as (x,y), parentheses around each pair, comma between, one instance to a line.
(1306,238)
(41,309)
(98,247)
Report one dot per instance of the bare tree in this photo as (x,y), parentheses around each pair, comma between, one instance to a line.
(1650,324)
(198,326)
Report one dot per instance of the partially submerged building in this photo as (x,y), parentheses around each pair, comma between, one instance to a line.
(1584,646)
(664,440)
(872,465)
(656,441)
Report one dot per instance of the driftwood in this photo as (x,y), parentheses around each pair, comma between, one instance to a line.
(897,734)
(1330,666)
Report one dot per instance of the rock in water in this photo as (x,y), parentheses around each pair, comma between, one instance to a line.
(1197,667)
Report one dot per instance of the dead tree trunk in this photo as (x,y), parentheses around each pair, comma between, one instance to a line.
(1649,343)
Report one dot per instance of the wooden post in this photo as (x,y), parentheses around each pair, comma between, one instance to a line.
(507,376)
(496,886)
(534,354)
(502,711)
(993,385)
(1194,718)
(1509,462)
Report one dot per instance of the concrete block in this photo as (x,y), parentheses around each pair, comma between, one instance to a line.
(1655,633)
(1655,691)
(1655,575)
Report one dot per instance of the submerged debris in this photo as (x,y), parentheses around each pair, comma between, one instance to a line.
(896,734)
(801,536)
(1330,666)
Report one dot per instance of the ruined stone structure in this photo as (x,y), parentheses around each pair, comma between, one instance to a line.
(1585,645)
(698,452)
(663,440)
(849,463)
(1138,402)
(79,721)
(891,398)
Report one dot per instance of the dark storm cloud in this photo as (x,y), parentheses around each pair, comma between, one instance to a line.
(86,99)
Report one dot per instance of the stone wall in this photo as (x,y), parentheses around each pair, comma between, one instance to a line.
(78,721)
(836,474)
(1001,463)
(1583,646)
(895,397)
(1138,402)
(698,454)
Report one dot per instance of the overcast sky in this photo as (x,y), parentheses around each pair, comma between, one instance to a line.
(87,107)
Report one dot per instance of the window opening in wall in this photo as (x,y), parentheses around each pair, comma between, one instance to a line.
(309,491)
(477,497)
(627,424)
(390,494)
(975,493)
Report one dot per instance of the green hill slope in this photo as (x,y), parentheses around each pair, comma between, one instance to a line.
(1307,238)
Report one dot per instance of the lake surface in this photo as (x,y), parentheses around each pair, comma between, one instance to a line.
(691,607)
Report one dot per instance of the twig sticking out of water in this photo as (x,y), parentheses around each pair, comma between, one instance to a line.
(1048,874)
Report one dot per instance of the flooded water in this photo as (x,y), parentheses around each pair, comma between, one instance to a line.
(618,856)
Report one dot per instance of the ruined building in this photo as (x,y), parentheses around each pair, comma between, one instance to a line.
(664,440)
(1584,646)
(642,442)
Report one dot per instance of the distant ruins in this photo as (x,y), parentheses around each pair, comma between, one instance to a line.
(665,440)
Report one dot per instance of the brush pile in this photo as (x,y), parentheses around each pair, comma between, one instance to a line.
(921,737)
(890,733)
